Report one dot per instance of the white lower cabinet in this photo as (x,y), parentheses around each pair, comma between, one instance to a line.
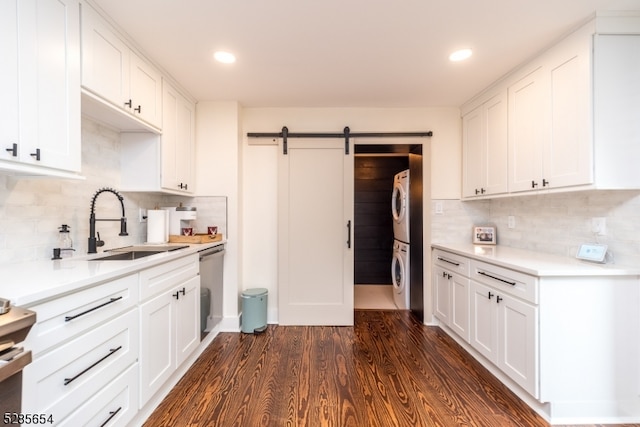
(505,331)
(61,380)
(452,301)
(115,405)
(561,335)
(100,353)
(494,310)
(170,329)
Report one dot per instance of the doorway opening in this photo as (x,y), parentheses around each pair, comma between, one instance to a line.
(374,171)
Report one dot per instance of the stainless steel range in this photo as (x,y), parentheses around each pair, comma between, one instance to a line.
(15,323)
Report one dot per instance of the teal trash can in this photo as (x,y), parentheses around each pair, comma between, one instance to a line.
(254,310)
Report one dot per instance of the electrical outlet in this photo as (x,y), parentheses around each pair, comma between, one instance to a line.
(142,215)
(599,226)
(511,221)
(439,210)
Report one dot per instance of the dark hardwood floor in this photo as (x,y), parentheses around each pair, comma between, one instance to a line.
(388,370)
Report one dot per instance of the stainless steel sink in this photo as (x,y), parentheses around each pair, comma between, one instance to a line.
(126,256)
(131,253)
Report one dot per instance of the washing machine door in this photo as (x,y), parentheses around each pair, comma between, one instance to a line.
(398,273)
(398,202)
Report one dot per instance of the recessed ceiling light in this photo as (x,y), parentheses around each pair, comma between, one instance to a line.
(460,55)
(224,57)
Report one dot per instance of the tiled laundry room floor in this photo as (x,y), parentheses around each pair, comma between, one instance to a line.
(374,297)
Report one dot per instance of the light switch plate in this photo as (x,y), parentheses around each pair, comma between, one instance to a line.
(592,252)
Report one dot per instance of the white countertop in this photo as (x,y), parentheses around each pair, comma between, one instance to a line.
(536,263)
(27,283)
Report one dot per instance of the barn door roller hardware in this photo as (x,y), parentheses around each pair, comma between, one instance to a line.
(346,134)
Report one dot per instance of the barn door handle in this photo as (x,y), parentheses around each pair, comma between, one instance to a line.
(349,234)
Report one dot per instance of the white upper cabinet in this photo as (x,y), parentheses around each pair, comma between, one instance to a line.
(571,116)
(9,128)
(40,77)
(617,109)
(178,141)
(550,142)
(485,148)
(114,73)
(528,124)
(162,163)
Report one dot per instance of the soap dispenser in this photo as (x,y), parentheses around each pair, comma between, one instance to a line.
(64,241)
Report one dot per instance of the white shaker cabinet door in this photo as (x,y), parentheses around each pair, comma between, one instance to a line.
(145,86)
(50,83)
(528,131)
(105,59)
(9,131)
(484,329)
(188,319)
(518,342)
(157,346)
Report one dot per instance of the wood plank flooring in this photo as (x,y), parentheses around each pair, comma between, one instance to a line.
(387,370)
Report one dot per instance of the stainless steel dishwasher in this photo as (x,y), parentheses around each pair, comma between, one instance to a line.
(211,278)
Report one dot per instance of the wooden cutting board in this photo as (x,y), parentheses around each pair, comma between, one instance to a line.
(198,238)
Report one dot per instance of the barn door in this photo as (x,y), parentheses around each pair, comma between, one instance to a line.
(315,232)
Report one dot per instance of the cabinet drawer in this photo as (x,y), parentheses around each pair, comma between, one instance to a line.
(116,405)
(512,282)
(63,379)
(451,262)
(165,276)
(68,316)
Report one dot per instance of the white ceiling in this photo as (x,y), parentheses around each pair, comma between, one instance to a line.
(345,53)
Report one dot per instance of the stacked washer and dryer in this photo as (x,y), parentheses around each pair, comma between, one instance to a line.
(400,260)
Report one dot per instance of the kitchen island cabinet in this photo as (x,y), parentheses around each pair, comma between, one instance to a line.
(561,333)
(40,118)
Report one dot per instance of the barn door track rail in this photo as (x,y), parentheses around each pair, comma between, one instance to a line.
(346,134)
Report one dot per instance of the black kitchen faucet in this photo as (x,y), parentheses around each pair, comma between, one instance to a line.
(93,241)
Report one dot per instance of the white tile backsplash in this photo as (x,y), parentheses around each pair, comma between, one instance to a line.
(32,209)
(553,223)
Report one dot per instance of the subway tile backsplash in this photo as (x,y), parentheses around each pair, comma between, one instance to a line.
(32,209)
(552,223)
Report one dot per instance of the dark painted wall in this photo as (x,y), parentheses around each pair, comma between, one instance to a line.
(373,233)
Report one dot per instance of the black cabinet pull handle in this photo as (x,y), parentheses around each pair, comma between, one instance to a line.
(111,301)
(111,415)
(13,150)
(544,182)
(349,234)
(128,104)
(490,295)
(36,154)
(176,295)
(68,381)
(450,262)
(138,109)
(498,299)
(183,291)
(534,184)
(496,278)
